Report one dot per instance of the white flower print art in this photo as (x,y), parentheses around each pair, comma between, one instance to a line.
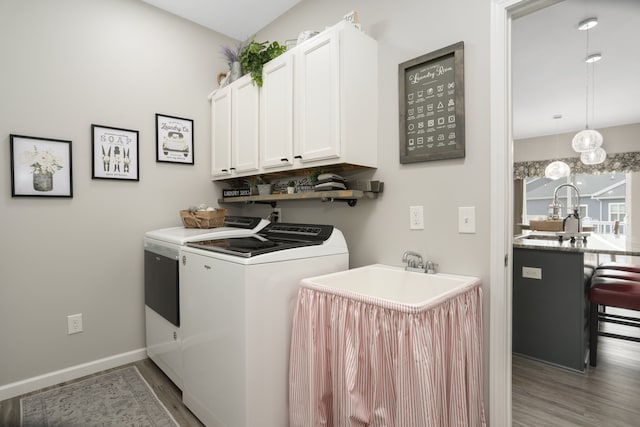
(40,167)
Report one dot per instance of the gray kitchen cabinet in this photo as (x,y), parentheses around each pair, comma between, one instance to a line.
(550,314)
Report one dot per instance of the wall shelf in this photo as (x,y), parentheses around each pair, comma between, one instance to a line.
(349,196)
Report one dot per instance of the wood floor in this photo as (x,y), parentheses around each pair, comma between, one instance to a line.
(543,395)
(607,395)
(166,391)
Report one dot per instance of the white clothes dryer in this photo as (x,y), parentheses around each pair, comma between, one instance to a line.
(162,284)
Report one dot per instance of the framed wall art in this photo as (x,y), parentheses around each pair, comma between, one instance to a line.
(40,167)
(174,139)
(114,153)
(431,99)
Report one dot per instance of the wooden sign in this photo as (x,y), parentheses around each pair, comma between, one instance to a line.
(431,99)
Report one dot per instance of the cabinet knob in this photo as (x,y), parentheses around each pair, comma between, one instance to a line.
(297,157)
(284,160)
(232,169)
(225,170)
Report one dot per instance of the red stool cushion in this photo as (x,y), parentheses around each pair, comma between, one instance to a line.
(620,266)
(619,274)
(615,292)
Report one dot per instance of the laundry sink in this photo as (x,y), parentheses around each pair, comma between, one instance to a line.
(384,284)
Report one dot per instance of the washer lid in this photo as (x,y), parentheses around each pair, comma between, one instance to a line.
(233,226)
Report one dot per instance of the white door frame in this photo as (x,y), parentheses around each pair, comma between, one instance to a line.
(502,12)
(501,170)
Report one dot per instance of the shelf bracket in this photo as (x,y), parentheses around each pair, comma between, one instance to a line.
(350,202)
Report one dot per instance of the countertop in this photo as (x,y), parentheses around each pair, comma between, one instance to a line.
(596,243)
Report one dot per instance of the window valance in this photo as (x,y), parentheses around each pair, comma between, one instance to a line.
(616,162)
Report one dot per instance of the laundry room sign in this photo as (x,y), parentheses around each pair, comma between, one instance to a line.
(432,106)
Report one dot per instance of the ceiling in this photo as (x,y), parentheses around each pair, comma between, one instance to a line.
(549,72)
(238,19)
(548,51)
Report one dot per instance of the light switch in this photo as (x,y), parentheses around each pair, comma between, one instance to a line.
(467,219)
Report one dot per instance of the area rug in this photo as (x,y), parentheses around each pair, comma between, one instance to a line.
(118,398)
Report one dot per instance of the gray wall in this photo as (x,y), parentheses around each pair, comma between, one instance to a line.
(84,254)
(65,65)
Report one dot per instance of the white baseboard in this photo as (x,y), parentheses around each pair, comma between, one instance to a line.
(36,383)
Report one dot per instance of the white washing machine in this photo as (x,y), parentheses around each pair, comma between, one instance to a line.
(161,285)
(238,297)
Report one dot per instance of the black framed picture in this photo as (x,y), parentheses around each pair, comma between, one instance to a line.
(431,99)
(174,139)
(114,153)
(40,167)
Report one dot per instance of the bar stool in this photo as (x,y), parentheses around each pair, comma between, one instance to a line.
(612,285)
(619,266)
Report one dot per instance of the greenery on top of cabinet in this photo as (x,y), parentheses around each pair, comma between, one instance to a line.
(254,55)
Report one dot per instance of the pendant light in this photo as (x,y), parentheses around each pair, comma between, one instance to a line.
(593,157)
(557,169)
(587,139)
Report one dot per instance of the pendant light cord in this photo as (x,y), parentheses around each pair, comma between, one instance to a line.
(586,113)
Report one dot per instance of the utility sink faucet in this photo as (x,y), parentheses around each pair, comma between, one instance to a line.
(416,263)
(413,259)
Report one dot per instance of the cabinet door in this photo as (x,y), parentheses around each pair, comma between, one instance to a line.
(245,121)
(221,133)
(276,113)
(317,98)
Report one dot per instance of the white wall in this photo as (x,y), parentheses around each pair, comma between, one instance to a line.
(617,139)
(70,68)
(65,65)
(378,230)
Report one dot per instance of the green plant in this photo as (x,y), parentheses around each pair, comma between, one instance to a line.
(254,181)
(291,184)
(313,175)
(254,55)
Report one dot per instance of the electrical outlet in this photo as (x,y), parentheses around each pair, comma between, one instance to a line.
(416,218)
(532,273)
(74,323)
(276,215)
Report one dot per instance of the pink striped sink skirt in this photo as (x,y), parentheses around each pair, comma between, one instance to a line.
(356,363)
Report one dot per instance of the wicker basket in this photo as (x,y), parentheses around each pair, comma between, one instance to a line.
(203,219)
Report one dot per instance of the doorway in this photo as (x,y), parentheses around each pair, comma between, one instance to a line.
(504,12)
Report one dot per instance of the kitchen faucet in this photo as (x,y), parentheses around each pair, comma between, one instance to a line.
(571,224)
(576,207)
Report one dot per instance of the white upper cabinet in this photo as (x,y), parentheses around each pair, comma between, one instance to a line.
(276,118)
(336,95)
(317,88)
(221,133)
(318,106)
(235,111)
(245,130)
